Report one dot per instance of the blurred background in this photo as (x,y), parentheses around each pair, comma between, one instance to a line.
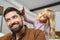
(32,8)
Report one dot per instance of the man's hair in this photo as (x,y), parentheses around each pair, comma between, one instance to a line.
(9,9)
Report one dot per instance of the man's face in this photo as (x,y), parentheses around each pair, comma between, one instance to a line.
(14,21)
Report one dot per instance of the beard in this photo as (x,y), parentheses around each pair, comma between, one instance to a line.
(18,29)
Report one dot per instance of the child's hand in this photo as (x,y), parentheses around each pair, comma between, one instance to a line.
(22,11)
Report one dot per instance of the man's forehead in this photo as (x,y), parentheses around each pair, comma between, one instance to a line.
(10,14)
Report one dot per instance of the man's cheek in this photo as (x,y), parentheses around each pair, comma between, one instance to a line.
(7,24)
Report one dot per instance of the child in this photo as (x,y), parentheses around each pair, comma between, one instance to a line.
(45,22)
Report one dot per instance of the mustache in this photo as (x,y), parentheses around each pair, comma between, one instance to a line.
(14,23)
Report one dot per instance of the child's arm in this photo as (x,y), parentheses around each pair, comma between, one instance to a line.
(29,20)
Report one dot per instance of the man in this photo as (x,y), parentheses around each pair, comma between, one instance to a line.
(14,21)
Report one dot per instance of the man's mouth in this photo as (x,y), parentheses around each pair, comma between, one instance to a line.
(15,26)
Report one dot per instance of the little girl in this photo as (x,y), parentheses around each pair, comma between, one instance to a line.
(45,21)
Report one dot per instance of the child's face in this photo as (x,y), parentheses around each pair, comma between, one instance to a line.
(42,17)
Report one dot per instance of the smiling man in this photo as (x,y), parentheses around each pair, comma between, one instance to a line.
(14,22)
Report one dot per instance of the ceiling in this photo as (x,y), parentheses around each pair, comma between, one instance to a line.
(55,8)
(31,4)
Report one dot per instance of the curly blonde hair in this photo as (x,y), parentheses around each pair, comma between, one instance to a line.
(50,14)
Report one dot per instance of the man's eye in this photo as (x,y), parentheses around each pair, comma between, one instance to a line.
(7,20)
(14,16)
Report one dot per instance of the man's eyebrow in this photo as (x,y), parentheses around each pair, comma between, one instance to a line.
(14,15)
(7,19)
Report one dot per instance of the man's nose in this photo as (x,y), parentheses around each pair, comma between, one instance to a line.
(12,21)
